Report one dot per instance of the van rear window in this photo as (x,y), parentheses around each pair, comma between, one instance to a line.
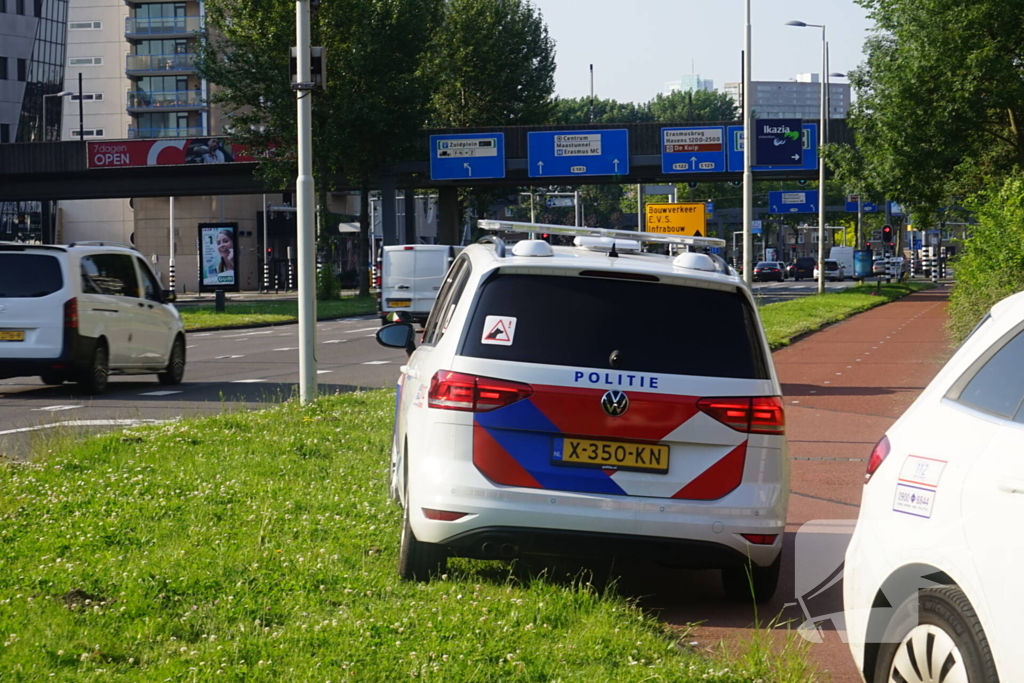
(26,276)
(653,327)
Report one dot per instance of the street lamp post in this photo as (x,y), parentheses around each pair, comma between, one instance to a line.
(62,93)
(748,153)
(821,161)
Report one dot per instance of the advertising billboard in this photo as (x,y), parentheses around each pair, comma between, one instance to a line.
(169,152)
(218,257)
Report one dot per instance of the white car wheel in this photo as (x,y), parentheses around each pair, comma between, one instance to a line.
(942,643)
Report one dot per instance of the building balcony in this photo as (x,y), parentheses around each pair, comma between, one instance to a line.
(149,133)
(165,65)
(145,28)
(180,100)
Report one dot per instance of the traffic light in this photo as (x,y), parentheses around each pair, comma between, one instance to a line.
(801,182)
(737,183)
(692,185)
(887,236)
(546,237)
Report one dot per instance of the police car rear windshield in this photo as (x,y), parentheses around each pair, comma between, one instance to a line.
(583,322)
(25,276)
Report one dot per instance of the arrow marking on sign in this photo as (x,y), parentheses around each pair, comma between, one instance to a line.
(693,161)
(796,157)
(616,162)
(540,168)
(469,169)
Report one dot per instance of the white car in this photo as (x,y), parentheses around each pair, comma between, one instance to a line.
(932,574)
(410,277)
(83,312)
(591,400)
(833,270)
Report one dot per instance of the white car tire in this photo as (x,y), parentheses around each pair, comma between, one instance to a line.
(939,620)
(752,582)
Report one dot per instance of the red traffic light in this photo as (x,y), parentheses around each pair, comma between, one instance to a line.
(887,235)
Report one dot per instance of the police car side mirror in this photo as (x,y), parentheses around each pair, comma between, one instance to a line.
(397,336)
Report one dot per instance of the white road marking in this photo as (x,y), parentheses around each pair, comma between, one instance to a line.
(160,393)
(228,357)
(377,362)
(86,423)
(288,348)
(335,341)
(54,409)
(323,372)
(201,334)
(247,381)
(364,329)
(245,334)
(190,346)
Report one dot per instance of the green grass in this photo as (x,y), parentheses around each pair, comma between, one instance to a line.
(261,546)
(785,321)
(243,315)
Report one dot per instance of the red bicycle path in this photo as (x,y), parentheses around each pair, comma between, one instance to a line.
(843,387)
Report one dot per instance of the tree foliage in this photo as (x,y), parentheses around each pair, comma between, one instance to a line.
(700,105)
(583,110)
(940,98)
(491,63)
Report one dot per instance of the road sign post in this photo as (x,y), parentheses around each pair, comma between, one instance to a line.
(467,155)
(577,153)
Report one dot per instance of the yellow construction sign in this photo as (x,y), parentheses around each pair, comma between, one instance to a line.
(687,218)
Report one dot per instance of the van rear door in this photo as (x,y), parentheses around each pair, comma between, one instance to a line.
(33,291)
(398,276)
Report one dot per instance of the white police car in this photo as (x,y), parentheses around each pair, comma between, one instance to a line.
(591,400)
(932,587)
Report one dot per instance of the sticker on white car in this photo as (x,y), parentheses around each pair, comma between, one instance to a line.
(499,330)
(917,486)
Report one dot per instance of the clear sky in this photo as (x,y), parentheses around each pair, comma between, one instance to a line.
(636,47)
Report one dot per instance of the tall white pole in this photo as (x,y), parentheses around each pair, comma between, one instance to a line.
(748,146)
(821,165)
(576,208)
(170,258)
(304,192)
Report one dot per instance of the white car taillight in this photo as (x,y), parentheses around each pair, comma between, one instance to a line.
(758,415)
(878,454)
(458,391)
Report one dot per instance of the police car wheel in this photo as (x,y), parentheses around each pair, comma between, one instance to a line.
(935,635)
(418,561)
(751,582)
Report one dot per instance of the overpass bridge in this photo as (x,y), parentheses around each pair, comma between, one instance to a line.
(63,170)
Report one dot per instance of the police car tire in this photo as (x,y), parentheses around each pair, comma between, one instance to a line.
(418,561)
(758,586)
(948,609)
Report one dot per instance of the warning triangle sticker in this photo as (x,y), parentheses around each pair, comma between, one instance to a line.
(499,330)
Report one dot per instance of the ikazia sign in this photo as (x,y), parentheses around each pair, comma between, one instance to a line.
(170,152)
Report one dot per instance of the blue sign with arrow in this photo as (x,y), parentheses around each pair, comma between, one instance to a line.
(778,142)
(865,207)
(804,201)
(577,153)
(463,156)
(693,150)
(810,153)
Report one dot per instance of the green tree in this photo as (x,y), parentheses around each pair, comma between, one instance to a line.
(582,110)
(492,63)
(375,101)
(701,105)
(940,95)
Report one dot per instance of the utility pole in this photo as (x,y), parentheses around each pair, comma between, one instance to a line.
(748,154)
(304,202)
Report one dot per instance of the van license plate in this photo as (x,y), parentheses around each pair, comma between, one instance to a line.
(616,455)
(12,335)
(399,303)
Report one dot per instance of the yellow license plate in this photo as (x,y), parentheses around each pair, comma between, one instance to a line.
(616,455)
(12,335)
(399,303)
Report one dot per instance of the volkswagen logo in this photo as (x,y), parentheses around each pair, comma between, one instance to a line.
(615,402)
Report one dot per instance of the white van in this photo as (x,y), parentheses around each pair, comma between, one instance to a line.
(845,257)
(410,277)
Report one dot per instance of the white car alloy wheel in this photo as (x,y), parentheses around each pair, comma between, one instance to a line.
(928,655)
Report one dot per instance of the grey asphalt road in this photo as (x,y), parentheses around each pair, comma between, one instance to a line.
(226,370)
(773,292)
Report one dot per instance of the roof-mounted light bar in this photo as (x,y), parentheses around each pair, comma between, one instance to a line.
(517,226)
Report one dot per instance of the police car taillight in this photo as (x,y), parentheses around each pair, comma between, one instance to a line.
(758,415)
(878,454)
(459,391)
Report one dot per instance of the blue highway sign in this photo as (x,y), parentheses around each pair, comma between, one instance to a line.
(865,207)
(778,142)
(577,153)
(810,154)
(467,155)
(693,150)
(804,201)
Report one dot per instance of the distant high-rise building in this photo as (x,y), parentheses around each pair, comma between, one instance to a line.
(689,83)
(799,98)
